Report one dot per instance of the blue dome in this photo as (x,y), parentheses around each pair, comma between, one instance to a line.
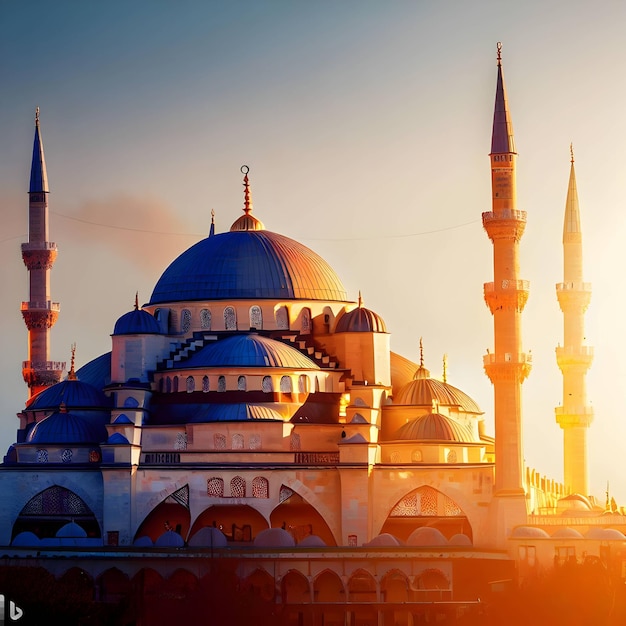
(137,322)
(66,428)
(117,438)
(239,412)
(248,264)
(73,393)
(249,351)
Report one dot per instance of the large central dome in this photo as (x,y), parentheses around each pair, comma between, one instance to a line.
(248,264)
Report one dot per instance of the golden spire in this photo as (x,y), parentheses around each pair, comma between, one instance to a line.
(72,374)
(247,198)
(571,152)
(360,299)
(445,368)
(421,353)
(421,372)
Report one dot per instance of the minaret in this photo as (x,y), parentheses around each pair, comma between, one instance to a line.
(39,254)
(574,358)
(507,366)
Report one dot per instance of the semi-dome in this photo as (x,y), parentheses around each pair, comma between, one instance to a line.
(243,264)
(137,322)
(274,538)
(250,350)
(71,529)
(209,537)
(66,428)
(434,427)
(426,536)
(424,390)
(529,532)
(361,320)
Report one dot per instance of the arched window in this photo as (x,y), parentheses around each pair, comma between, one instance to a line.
(267,385)
(175,384)
(219,441)
(221,383)
(191,384)
(185,321)
(236,442)
(160,385)
(168,385)
(255,442)
(241,384)
(230,318)
(451,458)
(317,384)
(256,317)
(260,487)
(215,487)
(282,318)
(285,384)
(205,319)
(416,456)
(294,442)
(181,441)
(306,321)
(205,384)
(237,487)
(303,384)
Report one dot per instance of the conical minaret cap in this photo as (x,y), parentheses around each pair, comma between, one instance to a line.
(38,174)
(502,141)
(571,224)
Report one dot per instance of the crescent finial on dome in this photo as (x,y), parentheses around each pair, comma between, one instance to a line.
(445,368)
(247,221)
(421,372)
(72,373)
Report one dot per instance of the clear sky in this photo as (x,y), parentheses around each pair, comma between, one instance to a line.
(366,126)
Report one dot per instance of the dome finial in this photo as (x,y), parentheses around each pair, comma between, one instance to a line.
(421,353)
(136,301)
(571,152)
(499,46)
(212,229)
(445,368)
(37,116)
(72,373)
(360,300)
(247,198)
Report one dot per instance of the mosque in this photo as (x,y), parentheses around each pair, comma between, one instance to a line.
(251,409)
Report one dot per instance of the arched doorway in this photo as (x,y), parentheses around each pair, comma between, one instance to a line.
(52,508)
(426,506)
(299,518)
(171,514)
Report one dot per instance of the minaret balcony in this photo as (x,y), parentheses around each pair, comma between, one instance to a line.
(504,224)
(42,373)
(573,296)
(39,255)
(507,366)
(574,416)
(507,294)
(571,357)
(38,315)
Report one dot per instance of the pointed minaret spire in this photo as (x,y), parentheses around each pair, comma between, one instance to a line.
(507,366)
(39,254)
(247,221)
(502,132)
(574,416)
(38,174)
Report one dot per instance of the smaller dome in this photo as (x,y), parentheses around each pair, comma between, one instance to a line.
(383,540)
(66,428)
(574,501)
(26,539)
(360,320)
(356,438)
(137,322)
(274,538)
(74,393)
(434,427)
(426,536)
(143,542)
(566,533)
(604,534)
(169,539)
(239,412)
(209,537)
(460,540)
(529,532)
(249,350)
(312,541)
(71,530)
